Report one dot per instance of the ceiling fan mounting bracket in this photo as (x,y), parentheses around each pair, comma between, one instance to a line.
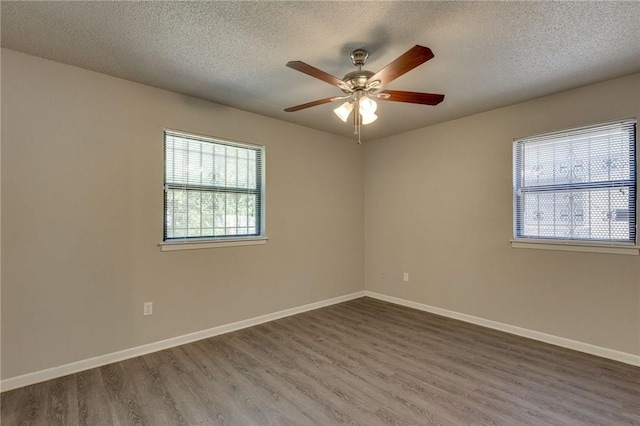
(359,57)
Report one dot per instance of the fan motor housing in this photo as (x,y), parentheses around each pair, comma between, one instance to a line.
(357,79)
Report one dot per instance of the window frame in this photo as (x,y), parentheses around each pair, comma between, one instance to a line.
(574,244)
(210,241)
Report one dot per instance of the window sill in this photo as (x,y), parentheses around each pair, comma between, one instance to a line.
(195,245)
(633,250)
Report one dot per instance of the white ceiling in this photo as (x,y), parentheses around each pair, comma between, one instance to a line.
(487,54)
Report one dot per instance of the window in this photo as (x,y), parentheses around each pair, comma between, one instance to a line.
(213,189)
(578,185)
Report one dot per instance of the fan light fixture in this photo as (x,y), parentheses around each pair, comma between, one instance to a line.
(343,111)
(367,108)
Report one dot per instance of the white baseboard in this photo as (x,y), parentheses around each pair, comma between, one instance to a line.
(624,357)
(76,367)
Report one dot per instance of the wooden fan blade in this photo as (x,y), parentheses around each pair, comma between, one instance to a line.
(314,103)
(404,63)
(411,97)
(319,74)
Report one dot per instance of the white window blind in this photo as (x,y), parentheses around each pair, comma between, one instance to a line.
(578,184)
(214,189)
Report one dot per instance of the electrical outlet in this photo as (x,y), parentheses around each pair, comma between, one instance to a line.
(384,276)
(405,277)
(148,308)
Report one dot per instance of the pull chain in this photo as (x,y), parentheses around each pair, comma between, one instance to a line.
(357,121)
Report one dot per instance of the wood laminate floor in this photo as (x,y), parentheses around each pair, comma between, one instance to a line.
(361,362)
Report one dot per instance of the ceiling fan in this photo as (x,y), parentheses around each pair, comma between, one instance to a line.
(361,87)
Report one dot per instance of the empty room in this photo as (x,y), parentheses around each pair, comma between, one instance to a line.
(319,213)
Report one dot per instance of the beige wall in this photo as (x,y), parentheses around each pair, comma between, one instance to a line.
(82,200)
(438,204)
(81,218)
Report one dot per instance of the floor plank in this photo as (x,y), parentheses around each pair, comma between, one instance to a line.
(362,362)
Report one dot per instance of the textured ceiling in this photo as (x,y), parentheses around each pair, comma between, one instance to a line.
(487,54)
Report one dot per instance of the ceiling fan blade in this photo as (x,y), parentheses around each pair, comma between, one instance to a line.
(319,74)
(314,103)
(404,63)
(411,97)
